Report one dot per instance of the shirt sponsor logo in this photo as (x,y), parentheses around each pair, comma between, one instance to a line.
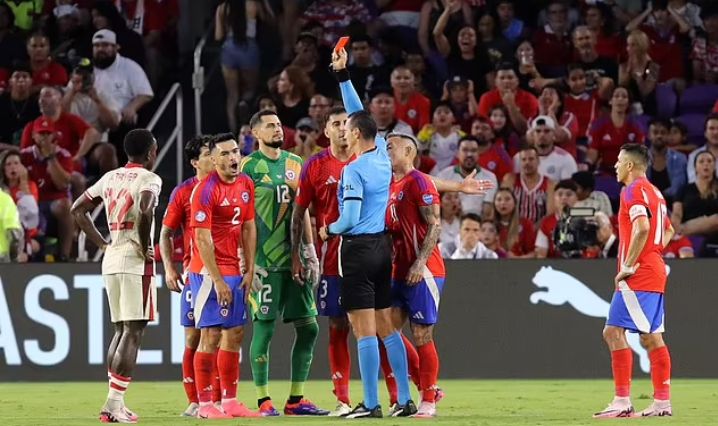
(200,216)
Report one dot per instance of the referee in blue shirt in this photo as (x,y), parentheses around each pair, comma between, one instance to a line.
(365,252)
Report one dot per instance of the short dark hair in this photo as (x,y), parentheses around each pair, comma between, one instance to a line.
(680,126)
(659,4)
(574,67)
(566,184)
(21,66)
(506,66)
(442,104)
(362,120)
(138,143)
(361,38)
(585,180)
(193,147)
(660,122)
(467,138)
(712,116)
(637,150)
(471,216)
(219,138)
(336,111)
(257,117)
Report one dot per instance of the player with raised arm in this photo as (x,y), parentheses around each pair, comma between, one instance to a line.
(275,173)
(222,215)
(130,195)
(637,305)
(177,216)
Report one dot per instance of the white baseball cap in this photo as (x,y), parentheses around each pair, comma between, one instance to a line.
(104,36)
(543,120)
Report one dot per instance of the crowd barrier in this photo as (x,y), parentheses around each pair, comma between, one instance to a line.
(498,319)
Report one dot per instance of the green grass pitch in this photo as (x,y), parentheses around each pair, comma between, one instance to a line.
(468,402)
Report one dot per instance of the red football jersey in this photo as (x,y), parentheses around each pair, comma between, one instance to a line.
(532,202)
(53,74)
(641,198)
(69,131)
(526,242)
(497,160)
(222,208)
(676,246)
(407,226)
(416,112)
(318,185)
(37,172)
(547,226)
(584,107)
(608,139)
(178,215)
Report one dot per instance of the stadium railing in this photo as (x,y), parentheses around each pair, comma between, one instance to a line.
(175,140)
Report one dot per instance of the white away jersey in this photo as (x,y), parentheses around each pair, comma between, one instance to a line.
(120,191)
(558,165)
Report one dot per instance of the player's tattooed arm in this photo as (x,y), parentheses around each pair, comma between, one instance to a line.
(432,217)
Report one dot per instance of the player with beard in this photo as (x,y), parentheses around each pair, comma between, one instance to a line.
(275,173)
(177,216)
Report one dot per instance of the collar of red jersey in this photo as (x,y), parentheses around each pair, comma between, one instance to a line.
(131,165)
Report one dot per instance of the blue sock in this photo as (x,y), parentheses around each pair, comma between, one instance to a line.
(368,349)
(396,352)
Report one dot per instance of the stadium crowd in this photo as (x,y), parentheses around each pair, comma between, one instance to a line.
(537,96)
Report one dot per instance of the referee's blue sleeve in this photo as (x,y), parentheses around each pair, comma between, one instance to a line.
(349,217)
(352,102)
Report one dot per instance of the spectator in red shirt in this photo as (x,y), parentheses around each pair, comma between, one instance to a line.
(609,133)
(564,196)
(51,167)
(504,133)
(492,155)
(521,105)
(680,247)
(14,177)
(640,74)
(411,106)
(552,43)
(580,101)
(45,71)
(516,234)
(667,40)
(599,20)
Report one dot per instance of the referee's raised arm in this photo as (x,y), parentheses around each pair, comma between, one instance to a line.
(365,251)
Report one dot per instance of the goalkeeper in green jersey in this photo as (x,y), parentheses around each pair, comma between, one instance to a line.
(276,292)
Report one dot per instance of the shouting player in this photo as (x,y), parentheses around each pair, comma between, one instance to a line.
(222,215)
(178,216)
(276,177)
(130,195)
(637,305)
(414,220)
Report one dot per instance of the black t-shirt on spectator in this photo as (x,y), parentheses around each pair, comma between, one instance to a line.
(603,66)
(12,48)
(499,50)
(694,206)
(473,69)
(324,82)
(364,79)
(290,115)
(14,115)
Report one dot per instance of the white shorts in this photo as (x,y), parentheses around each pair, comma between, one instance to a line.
(131,297)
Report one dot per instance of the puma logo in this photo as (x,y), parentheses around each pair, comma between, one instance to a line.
(558,287)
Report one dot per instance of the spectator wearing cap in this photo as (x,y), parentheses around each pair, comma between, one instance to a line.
(305,138)
(552,43)
(240,52)
(551,104)
(18,106)
(468,162)
(492,155)
(14,177)
(468,245)
(469,59)
(121,79)
(12,45)
(667,171)
(51,167)
(382,107)
(335,16)
(521,105)
(365,74)
(45,71)
(105,16)
(410,106)
(459,93)
(587,194)
(609,132)
(440,138)
(11,235)
(705,49)
(564,197)
(711,145)
(554,162)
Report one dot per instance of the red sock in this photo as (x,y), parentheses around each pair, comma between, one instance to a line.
(429,360)
(188,375)
(388,374)
(203,367)
(661,373)
(228,366)
(622,365)
(413,361)
(340,362)
(216,386)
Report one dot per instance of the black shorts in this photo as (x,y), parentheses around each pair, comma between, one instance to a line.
(365,271)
